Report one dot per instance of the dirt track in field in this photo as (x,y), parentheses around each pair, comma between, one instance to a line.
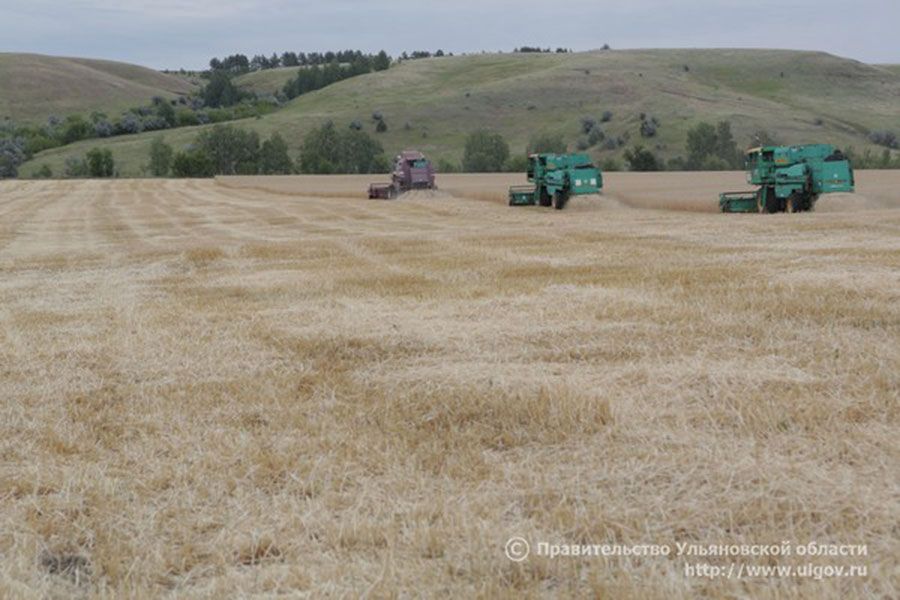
(273,385)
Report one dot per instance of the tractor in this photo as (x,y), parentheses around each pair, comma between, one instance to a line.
(556,178)
(412,171)
(790,179)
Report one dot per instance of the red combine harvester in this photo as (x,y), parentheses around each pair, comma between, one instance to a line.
(412,171)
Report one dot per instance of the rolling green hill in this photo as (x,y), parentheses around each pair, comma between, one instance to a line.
(33,86)
(432,104)
(268,81)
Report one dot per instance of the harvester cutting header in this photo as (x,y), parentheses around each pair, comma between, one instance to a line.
(791,178)
(412,171)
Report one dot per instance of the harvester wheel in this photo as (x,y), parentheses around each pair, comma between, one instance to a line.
(792,204)
(560,199)
(773,204)
(545,199)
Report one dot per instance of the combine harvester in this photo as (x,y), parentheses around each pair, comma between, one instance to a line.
(557,177)
(412,171)
(791,178)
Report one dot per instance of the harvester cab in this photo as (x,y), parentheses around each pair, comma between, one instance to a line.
(411,171)
(556,178)
(790,178)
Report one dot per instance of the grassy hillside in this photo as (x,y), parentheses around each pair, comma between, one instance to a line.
(432,104)
(268,81)
(35,86)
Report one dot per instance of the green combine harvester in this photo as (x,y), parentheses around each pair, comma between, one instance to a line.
(791,178)
(556,178)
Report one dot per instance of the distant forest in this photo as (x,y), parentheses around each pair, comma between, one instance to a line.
(238,64)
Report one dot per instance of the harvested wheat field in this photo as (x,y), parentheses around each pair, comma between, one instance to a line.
(275,386)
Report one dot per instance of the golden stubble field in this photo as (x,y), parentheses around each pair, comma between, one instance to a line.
(274,386)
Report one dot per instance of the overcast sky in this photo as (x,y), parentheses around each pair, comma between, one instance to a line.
(186,33)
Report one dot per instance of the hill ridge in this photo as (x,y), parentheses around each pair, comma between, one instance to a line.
(432,104)
(44,85)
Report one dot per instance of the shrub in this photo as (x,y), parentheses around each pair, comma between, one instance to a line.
(100,163)
(884,138)
(38,142)
(381,127)
(381,62)
(706,142)
(233,151)
(75,129)
(244,110)
(327,150)
(446,166)
(76,167)
(485,152)
(12,154)
(103,128)
(726,148)
(219,115)
(676,164)
(359,153)
(9,167)
(220,91)
(714,163)
(44,172)
(588,124)
(606,117)
(648,129)
(192,162)
(582,143)
(648,126)
(186,118)
(166,112)
(128,124)
(547,143)
(595,136)
(641,159)
(274,158)
(53,122)
(160,158)
(610,164)
(357,125)
(516,164)
(154,124)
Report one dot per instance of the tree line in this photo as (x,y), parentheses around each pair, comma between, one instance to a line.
(238,64)
(316,77)
(329,149)
(539,50)
(230,150)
